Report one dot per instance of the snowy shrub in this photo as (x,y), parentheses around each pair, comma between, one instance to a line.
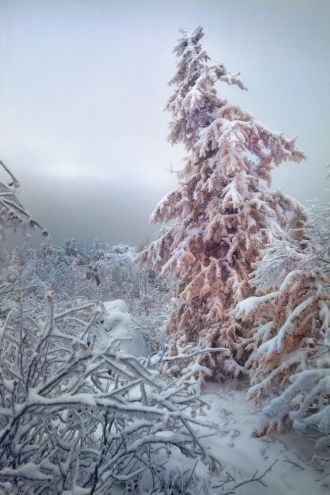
(100,273)
(78,416)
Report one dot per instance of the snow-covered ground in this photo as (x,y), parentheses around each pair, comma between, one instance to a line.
(284,462)
(294,471)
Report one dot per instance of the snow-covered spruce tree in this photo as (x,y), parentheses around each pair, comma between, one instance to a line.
(222,214)
(291,340)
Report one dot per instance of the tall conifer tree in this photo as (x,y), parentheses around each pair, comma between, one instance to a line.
(222,213)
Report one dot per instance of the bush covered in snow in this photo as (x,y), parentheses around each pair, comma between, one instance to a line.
(99,273)
(78,415)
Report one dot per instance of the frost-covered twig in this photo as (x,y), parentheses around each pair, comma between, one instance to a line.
(12,213)
(255,478)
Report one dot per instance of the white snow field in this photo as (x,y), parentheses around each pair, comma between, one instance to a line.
(296,469)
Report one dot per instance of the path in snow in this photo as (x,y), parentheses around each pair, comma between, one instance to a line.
(241,454)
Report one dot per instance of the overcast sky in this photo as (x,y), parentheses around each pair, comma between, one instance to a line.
(84,84)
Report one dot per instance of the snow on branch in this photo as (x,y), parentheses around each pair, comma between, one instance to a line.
(304,404)
(12,213)
(80,417)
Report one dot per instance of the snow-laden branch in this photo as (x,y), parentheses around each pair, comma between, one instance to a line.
(12,212)
(76,415)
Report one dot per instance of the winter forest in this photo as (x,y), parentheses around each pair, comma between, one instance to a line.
(196,363)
